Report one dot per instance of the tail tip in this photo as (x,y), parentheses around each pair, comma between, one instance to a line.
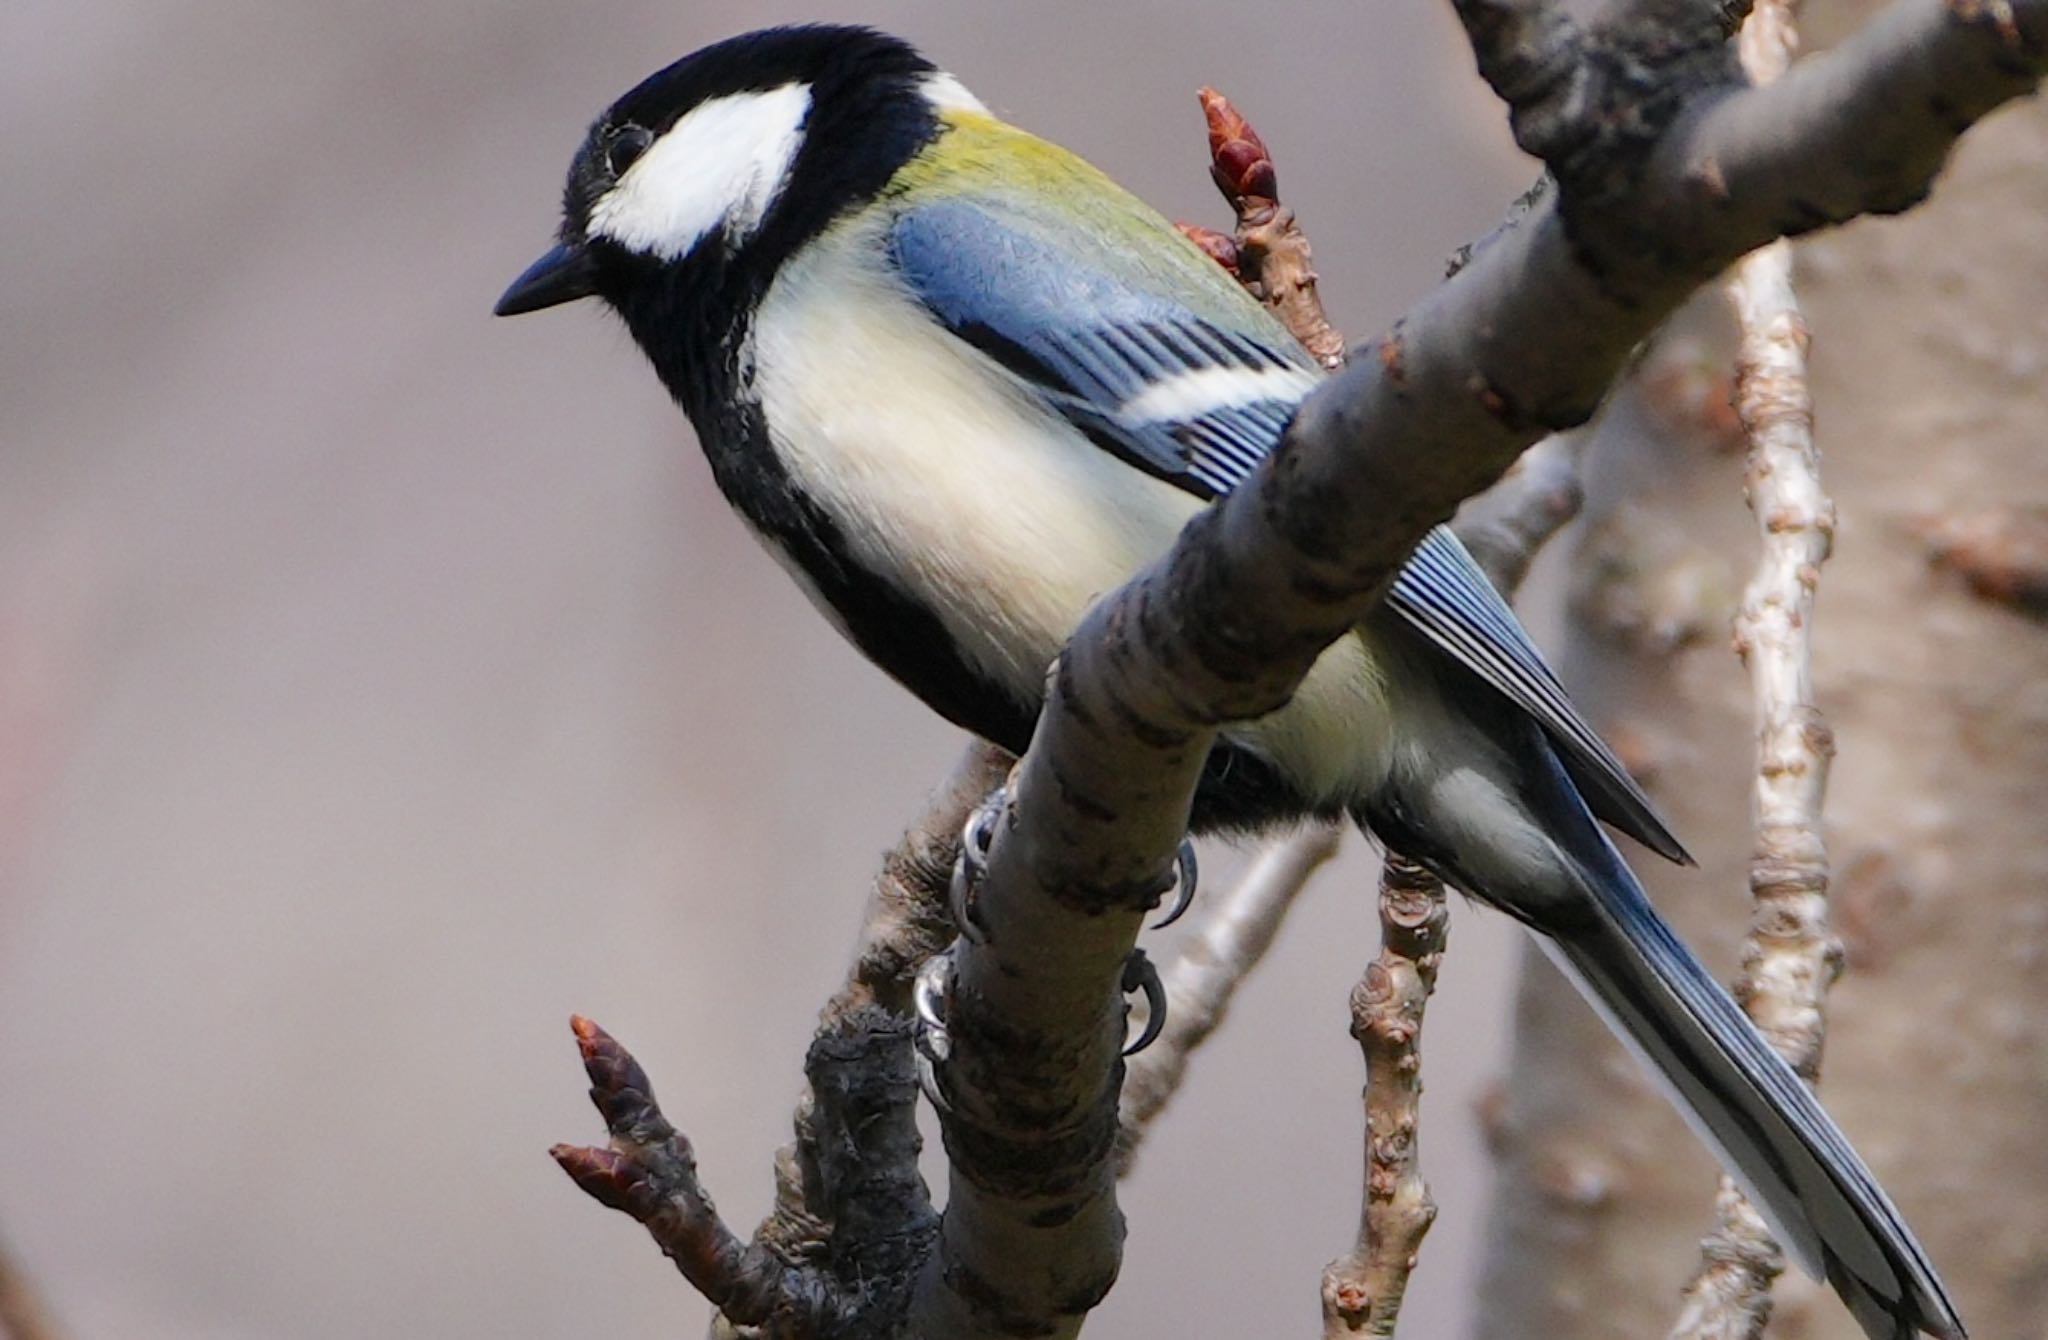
(1921,1311)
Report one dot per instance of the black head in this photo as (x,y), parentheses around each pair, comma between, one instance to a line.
(712,171)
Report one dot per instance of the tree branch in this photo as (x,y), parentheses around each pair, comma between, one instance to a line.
(1791,956)
(908,922)
(1506,525)
(863,1076)
(1269,254)
(649,1172)
(1362,1291)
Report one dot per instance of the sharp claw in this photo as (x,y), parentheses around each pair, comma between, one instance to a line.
(928,993)
(1183,891)
(975,838)
(981,824)
(1140,975)
(930,1041)
(928,1081)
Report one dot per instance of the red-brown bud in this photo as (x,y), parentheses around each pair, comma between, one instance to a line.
(1238,160)
(1220,247)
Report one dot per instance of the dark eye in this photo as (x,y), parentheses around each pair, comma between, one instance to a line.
(627,144)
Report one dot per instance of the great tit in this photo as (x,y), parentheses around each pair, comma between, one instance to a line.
(960,384)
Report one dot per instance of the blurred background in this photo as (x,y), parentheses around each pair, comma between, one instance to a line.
(379,683)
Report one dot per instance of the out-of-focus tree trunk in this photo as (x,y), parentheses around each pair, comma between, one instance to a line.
(1930,372)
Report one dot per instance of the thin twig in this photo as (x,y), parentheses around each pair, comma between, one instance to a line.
(1505,526)
(862,1072)
(1362,1291)
(649,1172)
(908,921)
(1206,974)
(1791,955)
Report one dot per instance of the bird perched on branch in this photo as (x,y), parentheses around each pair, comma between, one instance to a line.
(962,385)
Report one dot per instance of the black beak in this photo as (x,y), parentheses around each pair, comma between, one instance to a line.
(565,274)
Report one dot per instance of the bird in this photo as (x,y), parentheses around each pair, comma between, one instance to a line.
(960,384)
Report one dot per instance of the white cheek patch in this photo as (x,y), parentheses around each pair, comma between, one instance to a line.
(947,94)
(716,169)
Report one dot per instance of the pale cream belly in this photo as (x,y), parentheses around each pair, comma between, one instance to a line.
(998,515)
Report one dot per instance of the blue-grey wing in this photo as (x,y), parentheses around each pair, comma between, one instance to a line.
(1443,593)
(1195,399)
(1199,399)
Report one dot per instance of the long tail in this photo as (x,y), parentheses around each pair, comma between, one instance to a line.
(1794,1162)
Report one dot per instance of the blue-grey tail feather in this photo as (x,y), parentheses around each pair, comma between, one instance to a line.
(1797,1166)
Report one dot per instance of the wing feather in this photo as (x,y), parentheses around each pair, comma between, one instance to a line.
(1200,404)
(1445,595)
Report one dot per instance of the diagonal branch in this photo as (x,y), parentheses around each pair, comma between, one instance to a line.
(1523,340)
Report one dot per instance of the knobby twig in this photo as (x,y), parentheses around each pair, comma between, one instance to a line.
(23,1315)
(790,1269)
(864,1081)
(908,921)
(649,1171)
(1362,1291)
(1504,526)
(1269,254)
(1206,974)
(1791,955)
